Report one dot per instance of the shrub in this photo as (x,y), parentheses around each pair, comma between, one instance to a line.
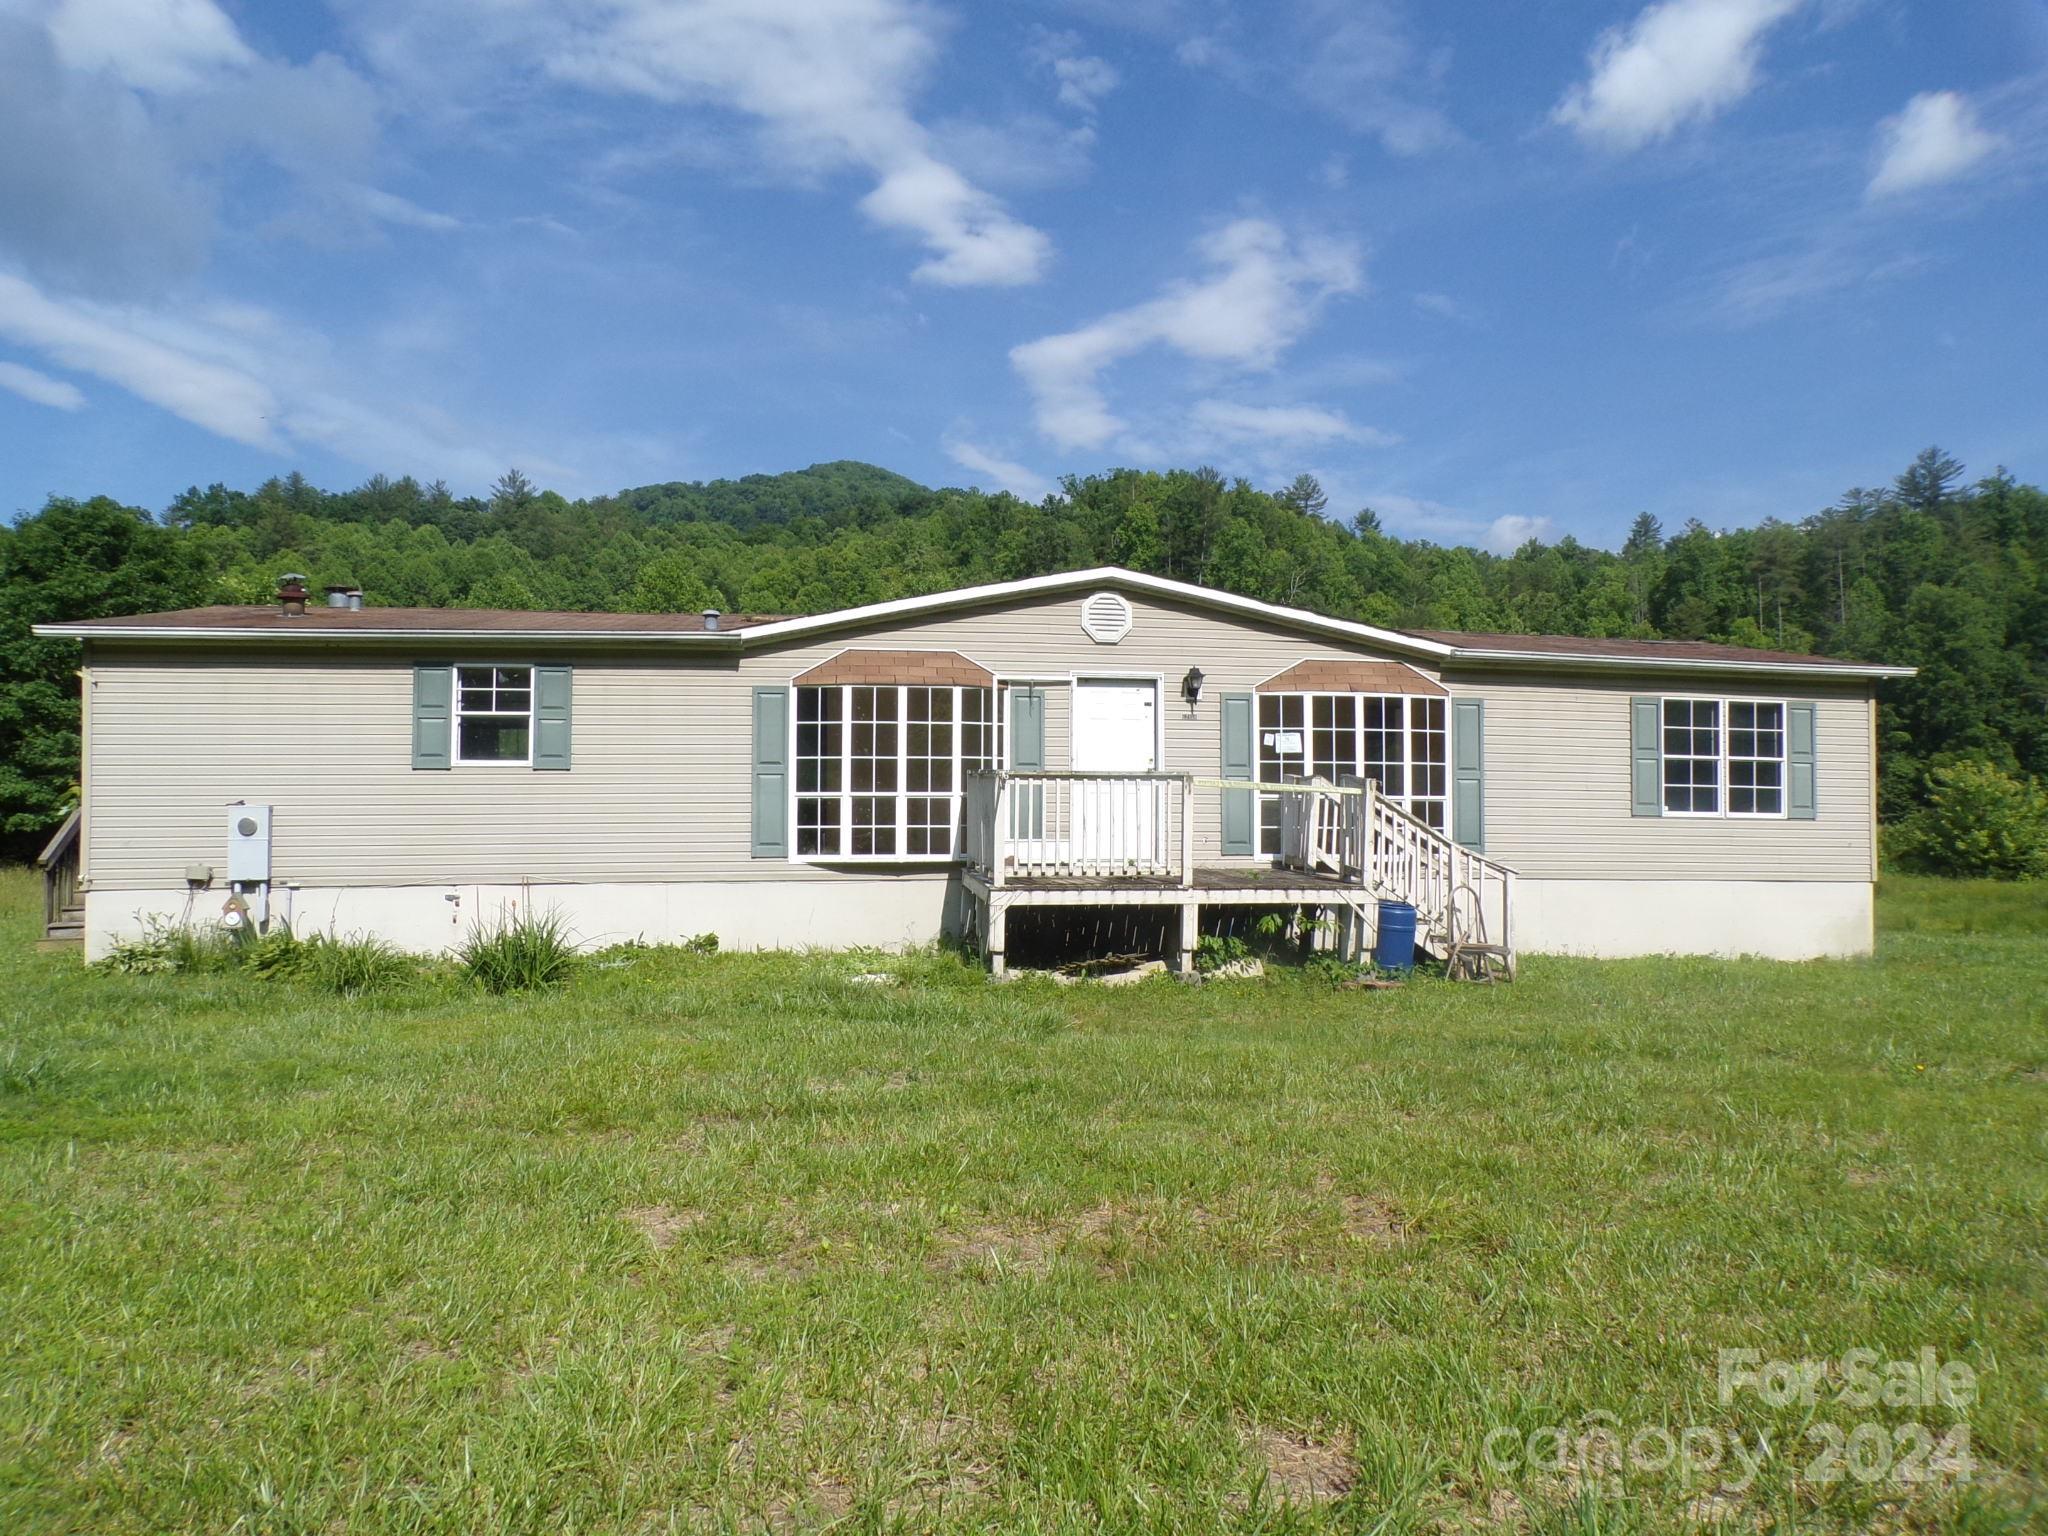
(167,948)
(1213,951)
(1978,821)
(515,953)
(352,966)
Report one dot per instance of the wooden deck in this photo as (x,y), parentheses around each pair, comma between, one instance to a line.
(1212,885)
(1128,840)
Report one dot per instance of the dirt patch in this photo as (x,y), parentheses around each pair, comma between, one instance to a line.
(1030,1247)
(1372,1219)
(661,1225)
(825,1501)
(1863,1178)
(1304,1471)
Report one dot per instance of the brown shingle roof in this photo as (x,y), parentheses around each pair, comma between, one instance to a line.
(1569,646)
(363,621)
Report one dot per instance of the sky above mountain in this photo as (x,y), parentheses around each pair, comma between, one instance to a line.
(1497,270)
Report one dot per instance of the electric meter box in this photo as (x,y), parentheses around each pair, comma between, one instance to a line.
(248,844)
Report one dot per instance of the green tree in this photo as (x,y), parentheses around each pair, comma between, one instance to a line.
(71,560)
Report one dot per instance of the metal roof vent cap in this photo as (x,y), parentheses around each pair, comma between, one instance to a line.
(355,599)
(711,618)
(337,597)
(291,594)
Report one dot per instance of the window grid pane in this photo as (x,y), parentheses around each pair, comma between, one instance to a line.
(1692,756)
(880,768)
(1756,759)
(494,714)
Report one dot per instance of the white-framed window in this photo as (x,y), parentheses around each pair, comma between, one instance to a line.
(880,768)
(1399,741)
(1756,758)
(493,715)
(1724,757)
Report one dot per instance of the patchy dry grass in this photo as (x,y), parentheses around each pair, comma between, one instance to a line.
(739,1243)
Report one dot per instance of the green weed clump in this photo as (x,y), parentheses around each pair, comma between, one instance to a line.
(519,952)
(168,949)
(352,965)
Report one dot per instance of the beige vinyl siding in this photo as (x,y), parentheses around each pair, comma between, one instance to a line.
(660,787)
(1557,786)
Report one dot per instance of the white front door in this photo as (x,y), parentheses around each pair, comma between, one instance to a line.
(1116,731)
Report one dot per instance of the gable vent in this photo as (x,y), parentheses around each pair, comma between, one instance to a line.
(1106,618)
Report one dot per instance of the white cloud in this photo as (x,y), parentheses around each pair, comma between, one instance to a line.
(1084,81)
(1262,294)
(1082,78)
(828,82)
(1935,139)
(244,374)
(155,45)
(1362,65)
(112,346)
(1357,62)
(1444,307)
(390,208)
(1678,62)
(1026,150)
(1230,422)
(1508,533)
(1004,474)
(40,388)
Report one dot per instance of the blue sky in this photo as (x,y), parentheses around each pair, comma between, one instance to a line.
(1496,270)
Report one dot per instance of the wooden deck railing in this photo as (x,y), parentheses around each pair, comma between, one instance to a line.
(1098,825)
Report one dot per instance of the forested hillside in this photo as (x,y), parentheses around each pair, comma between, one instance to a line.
(1932,570)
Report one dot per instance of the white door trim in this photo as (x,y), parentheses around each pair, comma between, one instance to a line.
(1158,682)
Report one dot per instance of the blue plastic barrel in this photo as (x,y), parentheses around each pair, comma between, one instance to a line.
(1394,947)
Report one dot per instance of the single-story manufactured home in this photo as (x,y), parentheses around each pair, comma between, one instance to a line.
(890,773)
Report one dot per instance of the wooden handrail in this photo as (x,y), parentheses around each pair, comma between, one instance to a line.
(1079,824)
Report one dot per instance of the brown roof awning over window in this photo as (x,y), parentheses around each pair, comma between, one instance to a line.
(1350,677)
(928,669)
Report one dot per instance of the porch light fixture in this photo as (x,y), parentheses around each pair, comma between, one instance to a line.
(1191,686)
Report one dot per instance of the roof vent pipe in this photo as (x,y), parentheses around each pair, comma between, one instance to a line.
(291,594)
(355,599)
(711,618)
(337,597)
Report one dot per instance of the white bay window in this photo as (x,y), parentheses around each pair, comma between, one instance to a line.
(1399,741)
(880,767)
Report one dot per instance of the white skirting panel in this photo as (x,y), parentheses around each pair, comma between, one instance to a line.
(756,914)
(1777,919)
(1781,920)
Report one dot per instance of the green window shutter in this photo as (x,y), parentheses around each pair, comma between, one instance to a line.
(1027,730)
(771,773)
(1800,794)
(1240,813)
(551,719)
(1027,755)
(1646,756)
(1468,772)
(433,701)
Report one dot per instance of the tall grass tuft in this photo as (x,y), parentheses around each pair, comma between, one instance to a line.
(517,952)
(168,948)
(354,966)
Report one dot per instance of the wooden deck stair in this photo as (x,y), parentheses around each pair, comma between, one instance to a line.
(63,903)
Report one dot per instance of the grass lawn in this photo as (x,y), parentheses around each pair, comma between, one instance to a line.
(739,1242)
